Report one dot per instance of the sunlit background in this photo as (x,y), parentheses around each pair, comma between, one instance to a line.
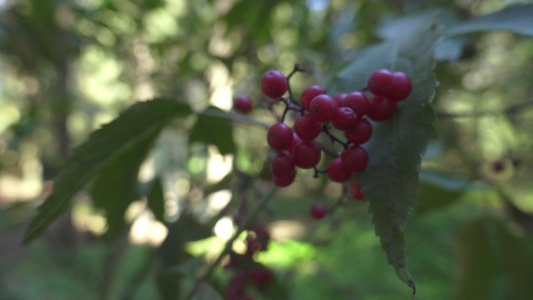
(68,67)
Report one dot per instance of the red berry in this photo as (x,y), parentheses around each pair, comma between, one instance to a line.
(339,99)
(279,136)
(318,211)
(295,141)
(282,166)
(337,172)
(380,109)
(261,276)
(380,82)
(360,133)
(242,104)
(285,181)
(306,154)
(310,93)
(355,191)
(274,84)
(345,120)
(323,108)
(358,102)
(401,87)
(307,127)
(355,158)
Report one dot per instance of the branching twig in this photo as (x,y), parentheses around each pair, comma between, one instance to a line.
(255,212)
(325,129)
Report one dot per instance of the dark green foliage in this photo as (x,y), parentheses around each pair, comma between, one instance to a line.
(156,199)
(116,185)
(213,130)
(133,127)
(516,18)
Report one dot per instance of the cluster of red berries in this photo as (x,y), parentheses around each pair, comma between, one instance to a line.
(245,269)
(318,112)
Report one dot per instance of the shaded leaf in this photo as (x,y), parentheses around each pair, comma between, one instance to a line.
(517,261)
(391,181)
(156,200)
(207,292)
(524,219)
(439,190)
(214,130)
(516,18)
(477,264)
(134,125)
(116,185)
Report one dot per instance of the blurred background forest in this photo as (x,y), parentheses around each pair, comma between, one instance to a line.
(68,67)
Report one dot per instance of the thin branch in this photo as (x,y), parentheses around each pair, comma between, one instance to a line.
(251,218)
(513,109)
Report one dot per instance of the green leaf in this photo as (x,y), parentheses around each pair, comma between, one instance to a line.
(476,263)
(439,190)
(133,126)
(391,181)
(116,185)
(156,200)
(515,255)
(516,18)
(214,130)
(207,292)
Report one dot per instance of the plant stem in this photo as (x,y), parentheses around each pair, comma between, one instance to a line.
(229,244)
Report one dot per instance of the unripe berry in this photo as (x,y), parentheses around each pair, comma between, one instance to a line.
(360,133)
(337,172)
(242,104)
(307,127)
(279,136)
(282,166)
(323,108)
(380,109)
(318,211)
(401,87)
(358,102)
(310,93)
(274,84)
(380,82)
(306,154)
(354,158)
(345,119)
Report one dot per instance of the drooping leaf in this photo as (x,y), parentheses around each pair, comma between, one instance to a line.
(214,130)
(516,18)
(116,185)
(477,264)
(390,181)
(156,200)
(132,126)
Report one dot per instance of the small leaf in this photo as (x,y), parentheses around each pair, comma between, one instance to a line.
(214,130)
(156,200)
(116,185)
(134,125)
(517,18)
(391,181)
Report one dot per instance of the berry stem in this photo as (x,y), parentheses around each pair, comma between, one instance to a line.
(318,171)
(325,129)
(294,71)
